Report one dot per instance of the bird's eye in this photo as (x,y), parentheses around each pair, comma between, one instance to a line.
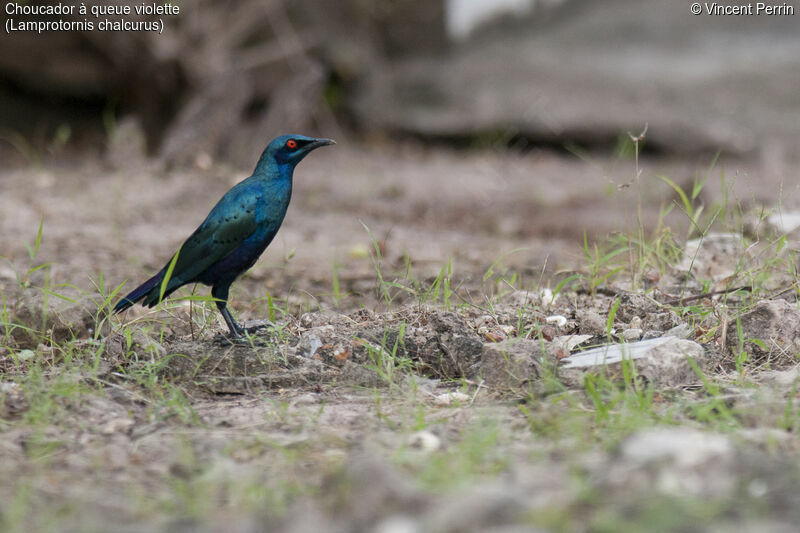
(291,143)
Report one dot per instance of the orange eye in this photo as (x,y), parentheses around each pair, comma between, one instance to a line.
(291,143)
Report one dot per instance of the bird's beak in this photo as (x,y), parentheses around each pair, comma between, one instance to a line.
(320,142)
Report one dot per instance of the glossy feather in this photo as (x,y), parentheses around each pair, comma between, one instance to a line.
(236,231)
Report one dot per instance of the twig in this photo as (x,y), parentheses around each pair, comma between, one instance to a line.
(477,390)
(793,287)
(679,301)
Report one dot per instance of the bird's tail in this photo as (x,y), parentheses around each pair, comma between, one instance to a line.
(148,289)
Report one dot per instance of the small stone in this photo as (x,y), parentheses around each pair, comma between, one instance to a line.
(632,334)
(148,345)
(12,400)
(570,342)
(548,333)
(510,364)
(306,399)
(204,161)
(776,324)
(454,349)
(784,379)
(507,329)
(715,256)
(26,355)
(591,323)
(784,222)
(450,398)
(60,320)
(306,320)
(117,425)
(425,441)
(681,331)
(558,320)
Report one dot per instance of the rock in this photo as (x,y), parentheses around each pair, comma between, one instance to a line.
(357,375)
(454,350)
(663,320)
(12,400)
(425,441)
(570,342)
(775,324)
(59,319)
(512,364)
(444,346)
(633,305)
(632,334)
(450,398)
(678,462)
(314,320)
(681,331)
(715,256)
(641,311)
(784,222)
(141,344)
(117,425)
(241,368)
(783,379)
(591,323)
(662,361)
(306,399)
(315,338)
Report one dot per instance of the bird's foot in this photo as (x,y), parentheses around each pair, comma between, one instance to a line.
(228,340)
(255,326)
(245,339)
(242,335)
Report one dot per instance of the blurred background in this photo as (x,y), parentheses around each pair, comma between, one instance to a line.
(466,128)
(225,75)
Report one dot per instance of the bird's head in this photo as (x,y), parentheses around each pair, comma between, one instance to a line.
(291,149)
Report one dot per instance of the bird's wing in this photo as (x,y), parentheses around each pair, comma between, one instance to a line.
(228,225)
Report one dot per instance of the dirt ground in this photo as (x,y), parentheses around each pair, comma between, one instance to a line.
(366,407)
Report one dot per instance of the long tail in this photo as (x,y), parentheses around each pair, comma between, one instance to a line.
(148,290)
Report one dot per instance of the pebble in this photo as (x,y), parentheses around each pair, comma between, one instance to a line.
(632,334)
(450,398)
(425,441)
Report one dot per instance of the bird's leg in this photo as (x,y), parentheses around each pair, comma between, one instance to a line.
(236,330)
(221,295)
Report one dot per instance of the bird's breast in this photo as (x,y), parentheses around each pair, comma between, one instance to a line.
(270,210)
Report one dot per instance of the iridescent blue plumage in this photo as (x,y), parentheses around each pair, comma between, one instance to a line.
(236,231)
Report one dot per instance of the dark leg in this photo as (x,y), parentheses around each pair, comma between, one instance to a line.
(221,294)
(236,330)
